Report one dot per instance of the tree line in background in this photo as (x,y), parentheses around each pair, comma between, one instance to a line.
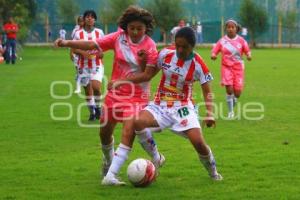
(166,13)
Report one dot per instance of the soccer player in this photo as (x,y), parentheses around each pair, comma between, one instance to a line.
(90,66)
(122,103)
(11,29)
(74,57)
(232,46)
(174,30)
(173,106)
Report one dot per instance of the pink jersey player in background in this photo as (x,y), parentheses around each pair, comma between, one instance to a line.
(232,46)
(122,103)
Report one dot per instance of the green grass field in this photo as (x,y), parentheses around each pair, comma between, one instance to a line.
(42,158)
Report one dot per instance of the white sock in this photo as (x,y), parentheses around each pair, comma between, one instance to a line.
(235,100)
(119,158)
(229,99)
(209,162)
(148,143)
(108,152)
(78,86)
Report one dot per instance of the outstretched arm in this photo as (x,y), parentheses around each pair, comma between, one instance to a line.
(76,44)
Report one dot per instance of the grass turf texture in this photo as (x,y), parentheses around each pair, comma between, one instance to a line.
(46,159)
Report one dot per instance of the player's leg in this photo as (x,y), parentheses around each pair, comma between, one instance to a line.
(121,154)
(107,144)
(90,100)
(238,84)
(230,100)
(227,81)
(13,51)
(205,154)
(145,123)
(77,80)
(96,85)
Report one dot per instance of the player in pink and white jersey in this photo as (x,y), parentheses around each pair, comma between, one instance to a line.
(173,105)
(232,46)
(123,102)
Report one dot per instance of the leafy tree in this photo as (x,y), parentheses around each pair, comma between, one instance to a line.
(23,11)
(68,10)
(166,14)
(110,11)
(254,18)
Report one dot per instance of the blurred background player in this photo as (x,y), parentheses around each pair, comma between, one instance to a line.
(91,69)
(232,46)
(11,29)
(74,57)
(2,51)
(174,30)
(62,33)
(122,103)
(173,106)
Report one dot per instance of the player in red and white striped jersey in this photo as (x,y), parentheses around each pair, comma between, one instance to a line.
(89,63)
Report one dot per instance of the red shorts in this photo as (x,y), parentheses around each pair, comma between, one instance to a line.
(116,109)
(233,75)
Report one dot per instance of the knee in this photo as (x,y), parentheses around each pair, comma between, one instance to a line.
(138,125)
(237,93)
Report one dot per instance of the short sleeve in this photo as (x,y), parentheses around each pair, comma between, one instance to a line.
(108,41)
(152,55)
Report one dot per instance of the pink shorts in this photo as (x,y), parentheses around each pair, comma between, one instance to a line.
(118,110)
(233,75)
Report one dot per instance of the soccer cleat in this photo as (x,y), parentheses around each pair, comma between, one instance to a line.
(92,117)
(113,181)
(159,163)
(231,115)
(97,112)
(217,177)
(77,91)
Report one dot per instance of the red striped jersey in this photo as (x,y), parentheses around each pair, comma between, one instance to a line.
(93,61)
(178,76)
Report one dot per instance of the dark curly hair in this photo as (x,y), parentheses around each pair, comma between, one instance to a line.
(135,13)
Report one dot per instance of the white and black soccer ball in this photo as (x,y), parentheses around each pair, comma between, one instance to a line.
(141,172)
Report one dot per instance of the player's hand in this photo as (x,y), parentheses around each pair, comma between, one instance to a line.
(209,122)
(100,54)
(142,57)
(249,58)
(59,43)
(213,57)
(85,54)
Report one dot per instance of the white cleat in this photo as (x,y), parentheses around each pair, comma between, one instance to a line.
(231,115)
(217,177)
(112,181)
(77,91)
(159,163)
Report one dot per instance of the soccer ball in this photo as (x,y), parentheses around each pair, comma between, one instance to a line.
(141,172)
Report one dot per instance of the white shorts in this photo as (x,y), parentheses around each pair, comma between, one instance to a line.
(88,75)
(178,119)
